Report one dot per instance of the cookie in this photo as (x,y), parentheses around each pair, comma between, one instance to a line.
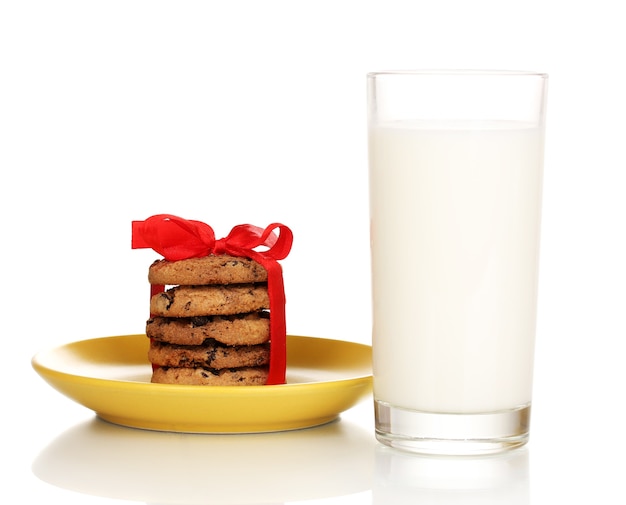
(208,355)
(190,301)
(251,376)
(238,329)
(221,269)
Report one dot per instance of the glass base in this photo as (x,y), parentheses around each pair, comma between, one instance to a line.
(451,434)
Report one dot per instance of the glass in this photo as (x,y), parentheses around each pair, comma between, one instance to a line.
(455,167)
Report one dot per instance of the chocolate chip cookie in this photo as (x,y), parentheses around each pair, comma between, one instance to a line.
(237,329)
(224,269)
(189,301)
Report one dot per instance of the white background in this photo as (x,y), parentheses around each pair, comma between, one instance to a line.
(236,112)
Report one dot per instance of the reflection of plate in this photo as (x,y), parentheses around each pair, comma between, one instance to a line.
(102,459)
(111,376)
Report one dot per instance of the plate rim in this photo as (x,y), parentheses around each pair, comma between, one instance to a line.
(38,365)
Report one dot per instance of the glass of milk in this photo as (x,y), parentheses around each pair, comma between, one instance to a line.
(455,167)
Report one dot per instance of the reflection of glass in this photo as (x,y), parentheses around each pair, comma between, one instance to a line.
(102,459)
(403,478)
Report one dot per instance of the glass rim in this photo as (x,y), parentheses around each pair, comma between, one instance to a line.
(458,72)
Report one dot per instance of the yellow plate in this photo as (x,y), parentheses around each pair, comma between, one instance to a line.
(111,376)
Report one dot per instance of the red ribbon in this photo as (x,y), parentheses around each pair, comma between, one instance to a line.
(176,238)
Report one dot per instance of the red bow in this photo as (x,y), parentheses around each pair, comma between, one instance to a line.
(176,239)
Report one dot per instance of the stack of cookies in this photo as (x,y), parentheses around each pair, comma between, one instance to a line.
(211,324)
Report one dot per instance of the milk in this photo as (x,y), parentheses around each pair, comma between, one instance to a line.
(455,213)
